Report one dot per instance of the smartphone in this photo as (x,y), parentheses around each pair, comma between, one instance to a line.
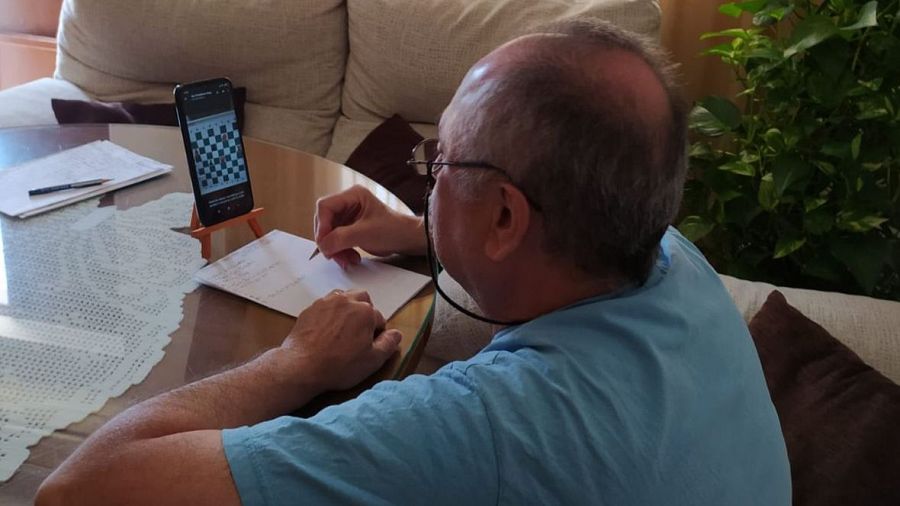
(215,150)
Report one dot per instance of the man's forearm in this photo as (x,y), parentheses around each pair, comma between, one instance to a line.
(258,390)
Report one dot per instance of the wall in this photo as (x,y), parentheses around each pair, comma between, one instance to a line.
(27,40)
(683,22)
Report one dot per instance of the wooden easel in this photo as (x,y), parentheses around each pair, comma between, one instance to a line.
(203,234)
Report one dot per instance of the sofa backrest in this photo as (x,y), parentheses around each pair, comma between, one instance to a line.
(289,54)
(408,56)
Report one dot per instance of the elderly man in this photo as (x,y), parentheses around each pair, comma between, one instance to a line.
(620,374)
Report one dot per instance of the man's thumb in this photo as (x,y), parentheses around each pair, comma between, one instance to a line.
(387,343)
(337,240)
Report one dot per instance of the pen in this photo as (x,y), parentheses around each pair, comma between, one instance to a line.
(314,253)
(70,186)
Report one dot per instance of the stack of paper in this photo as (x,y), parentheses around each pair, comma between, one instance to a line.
(275,271)
(97,160)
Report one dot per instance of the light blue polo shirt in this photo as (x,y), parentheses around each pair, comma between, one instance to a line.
(650,396)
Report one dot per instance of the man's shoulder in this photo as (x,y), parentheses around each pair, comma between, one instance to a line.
(456,379)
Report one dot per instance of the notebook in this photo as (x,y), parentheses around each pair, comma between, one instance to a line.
(97,160)
(275,271)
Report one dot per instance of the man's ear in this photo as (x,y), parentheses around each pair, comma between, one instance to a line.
(510,219)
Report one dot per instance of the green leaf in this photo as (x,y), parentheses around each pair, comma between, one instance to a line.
(704,122)
(714,116)
(752,6)
(787,245)
(739,167)
(739,33)
(825,167)
(695,227)
(854,146)
(787,170)
(764,53)
(774,139)
(858,221)
(772,14)
(874,84)
(818,222)
(723,50)
(749,156)
(867,17)
(871,110)
(730,9)
(837,149)
(699,150)
(767,196)
(811,31)
(872,166)
(863,258)
(810,204)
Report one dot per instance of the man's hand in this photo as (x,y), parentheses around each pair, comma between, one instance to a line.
(340,340)
(356,218)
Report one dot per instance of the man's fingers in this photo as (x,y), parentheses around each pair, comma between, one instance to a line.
(335,211)
(347,258)
(339,239)
(386,344)
(359,295)
(380,323)
(323,221)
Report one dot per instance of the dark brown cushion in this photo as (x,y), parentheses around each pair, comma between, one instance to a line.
(382,156)
(840,417)
(81,111)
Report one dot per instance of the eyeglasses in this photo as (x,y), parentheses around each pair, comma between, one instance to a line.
(425,160)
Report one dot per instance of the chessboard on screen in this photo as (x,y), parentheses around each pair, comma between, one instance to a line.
(217,151)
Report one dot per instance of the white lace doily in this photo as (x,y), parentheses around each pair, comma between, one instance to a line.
(88,298)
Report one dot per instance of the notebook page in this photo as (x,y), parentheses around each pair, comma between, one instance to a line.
(274,271)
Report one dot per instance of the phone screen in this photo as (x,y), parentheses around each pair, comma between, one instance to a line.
(214,144)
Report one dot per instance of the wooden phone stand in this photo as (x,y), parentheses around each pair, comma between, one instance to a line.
(203,234)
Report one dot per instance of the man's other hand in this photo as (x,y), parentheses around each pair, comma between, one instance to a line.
(340,340)
(356,218)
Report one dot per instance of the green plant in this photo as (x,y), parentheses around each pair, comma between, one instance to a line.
(800,184)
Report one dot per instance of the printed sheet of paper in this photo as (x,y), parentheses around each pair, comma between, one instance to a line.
(96,160)
(275,271)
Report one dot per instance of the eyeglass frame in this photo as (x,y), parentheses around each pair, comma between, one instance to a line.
(430,171)
(433,262)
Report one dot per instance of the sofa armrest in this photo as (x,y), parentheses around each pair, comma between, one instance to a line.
(870,327)
(29,104)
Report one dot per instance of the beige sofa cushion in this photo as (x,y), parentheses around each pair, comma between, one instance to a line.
(348,134)
(290,54)
(408,56)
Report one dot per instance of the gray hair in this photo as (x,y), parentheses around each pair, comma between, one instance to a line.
(608,181)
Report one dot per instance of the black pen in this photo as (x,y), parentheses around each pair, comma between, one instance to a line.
(70,186)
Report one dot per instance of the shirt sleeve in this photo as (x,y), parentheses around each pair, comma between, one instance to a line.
(420,440)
